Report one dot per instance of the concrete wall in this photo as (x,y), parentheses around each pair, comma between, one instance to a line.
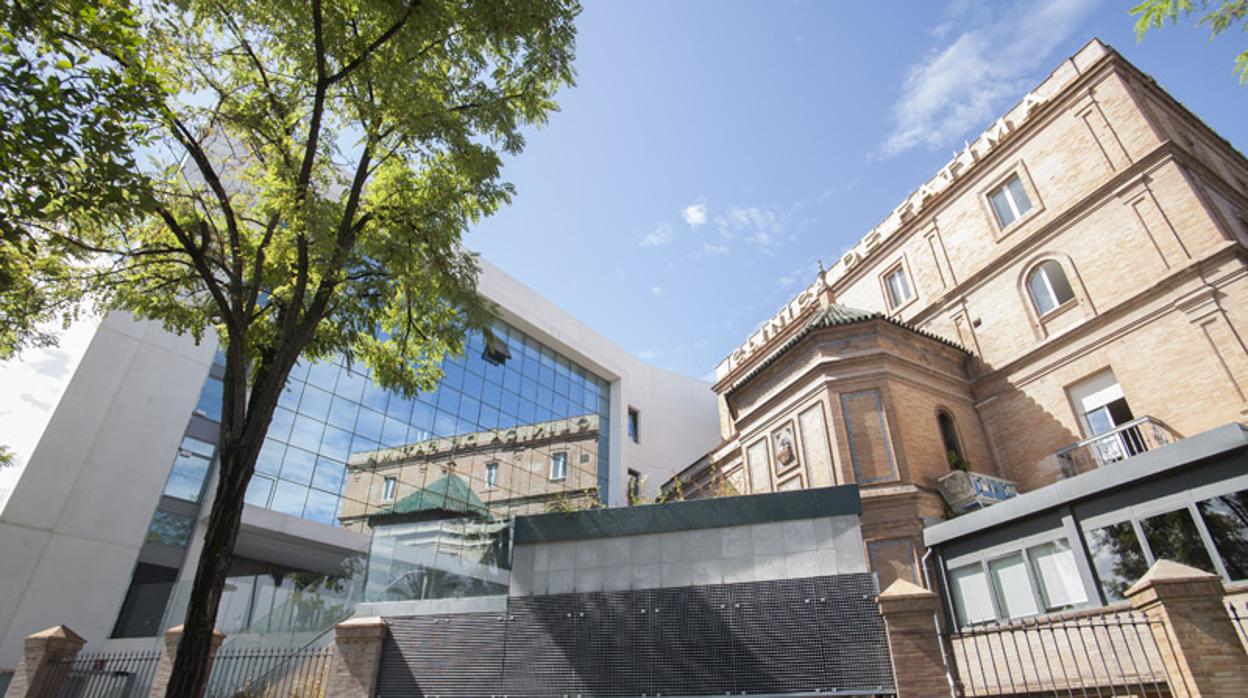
(71,531)
(746,553)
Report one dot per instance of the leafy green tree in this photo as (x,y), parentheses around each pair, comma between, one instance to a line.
(294,175)
(6,457)
(1155,14)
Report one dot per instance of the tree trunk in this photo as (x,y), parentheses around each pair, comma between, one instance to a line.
(244,424)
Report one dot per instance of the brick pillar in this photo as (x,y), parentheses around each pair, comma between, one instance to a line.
(909,615)
(164,666)
(41,672)
(356,659)
(1195,636)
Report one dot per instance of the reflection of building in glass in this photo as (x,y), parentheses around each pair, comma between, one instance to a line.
(518,470)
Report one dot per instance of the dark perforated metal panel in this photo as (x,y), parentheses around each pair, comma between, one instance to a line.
(821,634)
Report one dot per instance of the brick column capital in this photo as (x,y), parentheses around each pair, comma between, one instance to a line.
(1195,636)
(357,658)
(41,670)
(909,614)
(164,666)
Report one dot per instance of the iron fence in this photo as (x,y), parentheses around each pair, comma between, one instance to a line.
(101,675)
(1108,654)
(269,673)
(1239,616)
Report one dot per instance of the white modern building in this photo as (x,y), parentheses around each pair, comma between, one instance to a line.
(102,530)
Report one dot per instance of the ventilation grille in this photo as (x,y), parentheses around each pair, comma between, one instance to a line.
(822,634)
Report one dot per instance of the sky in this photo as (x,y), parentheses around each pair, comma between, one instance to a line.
(713,151)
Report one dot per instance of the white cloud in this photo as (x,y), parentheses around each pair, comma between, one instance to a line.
(649,354)
(694,214)
(656,291)
(34,383)
(759,226)
(713,250)
(958,88)
(661,235)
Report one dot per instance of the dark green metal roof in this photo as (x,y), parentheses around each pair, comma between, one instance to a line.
(835,315)
(449,496)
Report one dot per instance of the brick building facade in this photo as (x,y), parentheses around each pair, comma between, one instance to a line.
(1076,269)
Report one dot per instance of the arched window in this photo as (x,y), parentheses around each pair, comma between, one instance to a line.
(1048,286)
(949,437)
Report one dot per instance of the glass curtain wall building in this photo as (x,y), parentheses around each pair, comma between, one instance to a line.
(520,426)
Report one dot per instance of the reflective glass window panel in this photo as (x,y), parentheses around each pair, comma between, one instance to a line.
(315,403)
(1226,518)
(190,469)
(336,444)
(291,394)
(210,397)
(171,529)
(306,433)
(329,475)
(491,474)
(280,425)
(1173,536)
(369,424)
(388,488)
(258,491)
(323,374)
(270,459)
(298,465)
(343,412)
(351,385)
(288,498)
(1118,558)
(972,601)
(321,506)
(1057,575)
(1012,586)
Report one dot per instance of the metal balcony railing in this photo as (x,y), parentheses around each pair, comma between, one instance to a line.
(1126,440)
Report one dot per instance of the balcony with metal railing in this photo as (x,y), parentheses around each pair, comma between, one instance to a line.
(1120,443)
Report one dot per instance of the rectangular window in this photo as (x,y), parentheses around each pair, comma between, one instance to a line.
(972,601)
(633,425)
(559,465)
(388,487)
(210,397)
(1053,565)
(1117,557)
(1226,517)
(491,475)
(1012,586)
(898,287)
(171,529)
(1010,201)
(634,486)
(1173,536)
(190,468)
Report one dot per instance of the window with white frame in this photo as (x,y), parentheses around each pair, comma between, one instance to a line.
(388,487)
(1048,287)
(1040,578)
(972,599)
(559,465)
(1009,201)
(491,475)
(898,287)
